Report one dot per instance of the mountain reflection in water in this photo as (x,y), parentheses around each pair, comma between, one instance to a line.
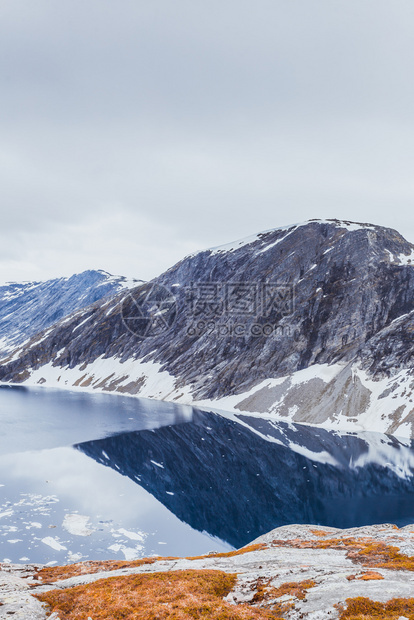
(239,478)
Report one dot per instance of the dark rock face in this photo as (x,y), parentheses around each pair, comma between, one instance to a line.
(222,478)
(346,290)
(324,292)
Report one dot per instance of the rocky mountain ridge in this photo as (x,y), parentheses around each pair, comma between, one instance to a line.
(311,323)
(30,307)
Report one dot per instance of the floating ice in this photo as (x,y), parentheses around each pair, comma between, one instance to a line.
(77,525)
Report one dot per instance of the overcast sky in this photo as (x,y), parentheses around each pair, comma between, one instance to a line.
(133,132)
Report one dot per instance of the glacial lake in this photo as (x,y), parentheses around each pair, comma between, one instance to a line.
(96,476)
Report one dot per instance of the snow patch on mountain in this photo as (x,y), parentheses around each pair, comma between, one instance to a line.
(133,377)
(236,245)
(325,395)
(319,395)
(340,356)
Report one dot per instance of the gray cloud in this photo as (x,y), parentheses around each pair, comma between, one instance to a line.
(189,124)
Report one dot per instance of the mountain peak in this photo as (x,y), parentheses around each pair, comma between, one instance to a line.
(280,232)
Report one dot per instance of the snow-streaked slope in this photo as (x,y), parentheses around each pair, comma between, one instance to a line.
(342,357)
(320,395)
(284,231)
(30,307)
(134,377)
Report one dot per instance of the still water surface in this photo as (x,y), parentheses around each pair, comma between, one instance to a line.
(95,476)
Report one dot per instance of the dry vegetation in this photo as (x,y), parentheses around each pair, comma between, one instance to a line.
(230,554)
(178,595)
(380,555)
(368,576)
(50,574)
(266,594)
(197,594)
(364,609)
(365,551)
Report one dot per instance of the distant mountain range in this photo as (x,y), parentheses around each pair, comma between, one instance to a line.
(311,323)
(30,307)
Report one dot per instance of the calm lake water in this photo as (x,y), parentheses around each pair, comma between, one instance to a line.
(95,476)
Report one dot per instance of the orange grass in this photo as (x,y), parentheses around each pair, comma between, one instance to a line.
(380,555)
(365,551)
(50,574)
(294,588)
(230,554)
(368,576)
(173,595)
(265,592)
(365,609)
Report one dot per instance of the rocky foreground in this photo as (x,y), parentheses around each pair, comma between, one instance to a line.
(293,572)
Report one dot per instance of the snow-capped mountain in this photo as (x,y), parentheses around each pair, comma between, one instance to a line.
(310,323)
(30,307)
